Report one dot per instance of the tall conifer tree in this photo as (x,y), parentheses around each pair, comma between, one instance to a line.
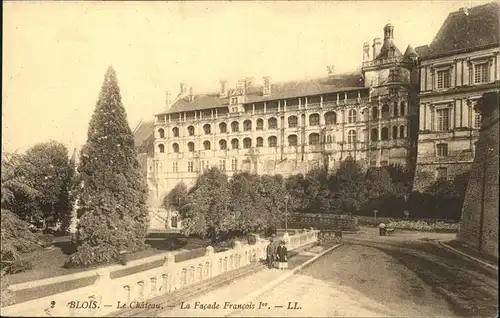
(112,194)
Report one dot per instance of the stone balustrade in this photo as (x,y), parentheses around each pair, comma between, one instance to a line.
(106,293)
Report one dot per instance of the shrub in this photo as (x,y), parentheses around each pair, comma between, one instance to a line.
(19,266)
(46,240)
(421,225)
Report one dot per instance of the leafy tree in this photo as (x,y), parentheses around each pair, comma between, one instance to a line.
(48,169)
(112,194)
(449,196)
(246,203)
(207,210)
(317,191)
(402,179)
(294,184)
(272,193)
(350,190)
(379,191)
(177,197)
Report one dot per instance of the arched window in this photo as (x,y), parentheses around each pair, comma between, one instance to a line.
(247,125)
(260,124)
(384,133)
(175,131)
(402,132)
(314,120)
(314,139)
(161,148)
(385,111)
(272,141)
(374,134)
(374,112)
(260,142)
(235,143)
(235,126)
(394,132)
(352,116)
(206,145)
(223,128)
(190,146)
(247,143)
(175,147)
(403,109)
(207,129)
(191,131)
(222,144)
(351,136)
(161,133)
(292,140)
(293,121)
(366,115)
(272,123)
(396,113)
(330,118)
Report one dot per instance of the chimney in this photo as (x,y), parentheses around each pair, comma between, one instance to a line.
(184,89)
(266,89)
(366,52)
(223,89)
(377,44)
(464,10)
(191,95)
(167,99)
(388,32)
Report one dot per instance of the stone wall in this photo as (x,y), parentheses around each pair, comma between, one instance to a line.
(479,224)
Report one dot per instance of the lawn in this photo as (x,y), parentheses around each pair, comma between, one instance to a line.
(49,262)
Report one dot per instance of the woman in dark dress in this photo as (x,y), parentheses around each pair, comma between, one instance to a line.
(282,256)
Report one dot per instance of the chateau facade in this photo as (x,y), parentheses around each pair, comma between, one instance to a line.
(286,128)
(456,69)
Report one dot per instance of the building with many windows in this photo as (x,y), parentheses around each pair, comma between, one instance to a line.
(285,128)
(456,69)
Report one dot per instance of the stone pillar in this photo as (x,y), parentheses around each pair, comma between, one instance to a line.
(421,123)
(479,222)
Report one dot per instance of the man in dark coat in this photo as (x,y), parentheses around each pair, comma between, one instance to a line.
(270,252)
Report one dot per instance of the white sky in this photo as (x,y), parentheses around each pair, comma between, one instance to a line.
(55,54)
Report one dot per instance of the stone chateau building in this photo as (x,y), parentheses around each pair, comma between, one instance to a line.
(376,116)
(456,69)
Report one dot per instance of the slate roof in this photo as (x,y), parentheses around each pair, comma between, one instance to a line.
(143,134)
(480,27)
(386,48)
(292,89)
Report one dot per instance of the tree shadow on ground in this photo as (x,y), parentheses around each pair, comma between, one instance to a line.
(66,247)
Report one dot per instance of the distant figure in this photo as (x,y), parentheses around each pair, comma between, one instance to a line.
(281,254)
(270,252)
(381,229)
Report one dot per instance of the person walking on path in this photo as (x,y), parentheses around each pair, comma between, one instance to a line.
(270,252)
(282,256)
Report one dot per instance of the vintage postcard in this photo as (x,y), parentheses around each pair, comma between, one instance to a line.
(250,158)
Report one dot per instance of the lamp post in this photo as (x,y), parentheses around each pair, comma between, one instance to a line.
(287,197)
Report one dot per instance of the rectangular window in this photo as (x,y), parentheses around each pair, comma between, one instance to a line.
(443,119)
(190,166)
(394,75)
(222,165)
(175,166)
(234,164)
(202,165)
(442,150)
(443,79)
(481,73)
(442,173)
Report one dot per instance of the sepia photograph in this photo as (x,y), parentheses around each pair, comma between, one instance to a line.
(250,158)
